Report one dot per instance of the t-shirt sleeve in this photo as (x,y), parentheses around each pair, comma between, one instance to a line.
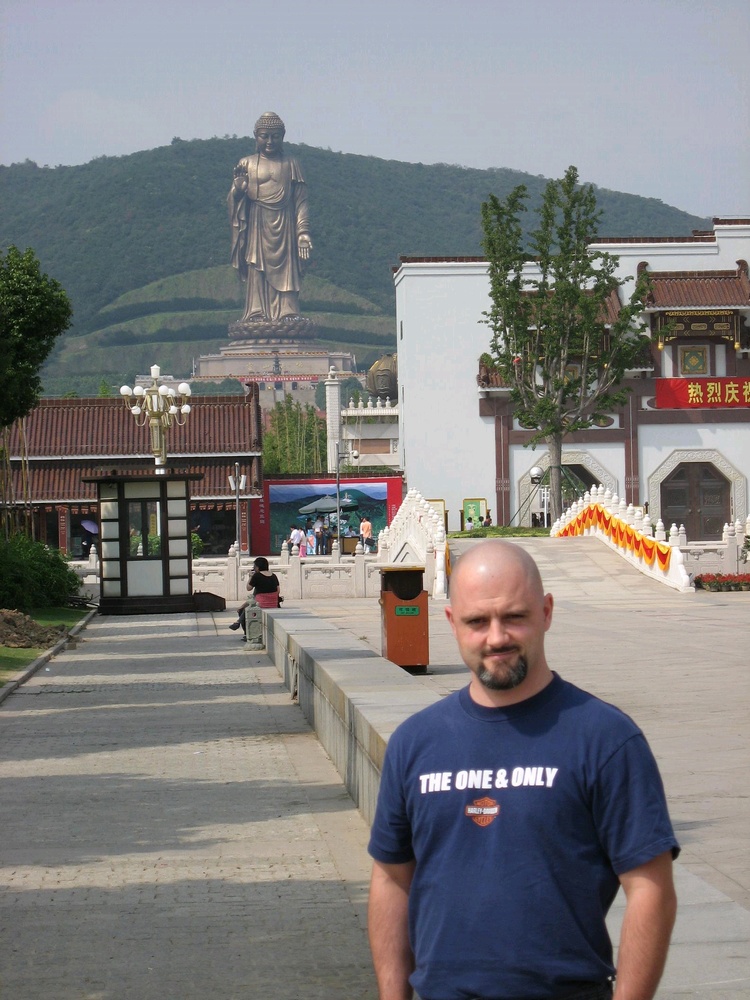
(390,837)
(630,808)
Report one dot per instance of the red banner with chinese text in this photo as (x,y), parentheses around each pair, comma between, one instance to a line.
(701,393)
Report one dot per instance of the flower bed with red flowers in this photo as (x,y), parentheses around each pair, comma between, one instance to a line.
(722,581)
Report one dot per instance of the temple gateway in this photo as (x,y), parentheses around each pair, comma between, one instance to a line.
(680,446)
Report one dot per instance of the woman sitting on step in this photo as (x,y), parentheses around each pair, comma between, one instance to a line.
(265,589)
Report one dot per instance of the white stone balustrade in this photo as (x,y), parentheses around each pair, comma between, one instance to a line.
(727,556)
(416,535)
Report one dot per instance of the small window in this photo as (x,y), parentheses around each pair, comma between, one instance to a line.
(143,528)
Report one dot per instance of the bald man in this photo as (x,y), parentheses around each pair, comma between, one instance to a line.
(509,815)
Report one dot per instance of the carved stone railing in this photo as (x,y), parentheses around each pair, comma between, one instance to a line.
(624,529)
(320,577)
(669,558)
(415,536)
(727,556)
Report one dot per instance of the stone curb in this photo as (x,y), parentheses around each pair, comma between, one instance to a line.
(352,698)
(10,686)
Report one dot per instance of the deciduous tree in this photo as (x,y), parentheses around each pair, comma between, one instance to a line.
(562,339)
(34,311)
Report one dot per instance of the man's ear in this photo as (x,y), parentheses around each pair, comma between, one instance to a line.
(549,604)
(449,616)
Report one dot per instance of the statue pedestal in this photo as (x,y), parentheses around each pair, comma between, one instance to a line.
(282,354)
(263,331)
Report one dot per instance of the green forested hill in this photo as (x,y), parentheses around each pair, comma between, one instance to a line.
(141,244)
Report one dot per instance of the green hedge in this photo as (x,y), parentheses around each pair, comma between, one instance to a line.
(33,576)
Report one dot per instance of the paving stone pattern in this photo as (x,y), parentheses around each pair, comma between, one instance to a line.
(172,828)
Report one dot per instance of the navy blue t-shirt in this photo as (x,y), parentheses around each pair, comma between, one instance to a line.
(520,820)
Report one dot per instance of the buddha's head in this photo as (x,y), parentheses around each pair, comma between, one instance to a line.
(269,134)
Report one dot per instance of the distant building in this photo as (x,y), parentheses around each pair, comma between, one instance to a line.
(68,440)
(681,444)
(371,428)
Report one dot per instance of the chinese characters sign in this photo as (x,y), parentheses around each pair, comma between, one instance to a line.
(701,393)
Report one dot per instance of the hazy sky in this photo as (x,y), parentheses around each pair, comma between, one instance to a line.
(651,97)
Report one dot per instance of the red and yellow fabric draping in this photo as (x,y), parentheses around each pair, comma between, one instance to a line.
(620,533)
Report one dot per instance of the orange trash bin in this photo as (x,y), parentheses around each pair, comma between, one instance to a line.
(405,628)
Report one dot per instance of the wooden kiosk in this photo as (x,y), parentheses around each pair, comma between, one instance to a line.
(145,545)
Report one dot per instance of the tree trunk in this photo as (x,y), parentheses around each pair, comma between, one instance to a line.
(554,446)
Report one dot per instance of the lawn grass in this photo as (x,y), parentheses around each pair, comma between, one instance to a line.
(57,616)
(13,660)
(501,531)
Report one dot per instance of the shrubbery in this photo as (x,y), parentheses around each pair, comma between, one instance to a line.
(33,576)
(722,581)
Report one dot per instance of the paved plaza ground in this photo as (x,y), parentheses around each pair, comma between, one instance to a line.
(173,829)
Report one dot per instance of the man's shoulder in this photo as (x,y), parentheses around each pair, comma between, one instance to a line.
(582,698)
(579,707)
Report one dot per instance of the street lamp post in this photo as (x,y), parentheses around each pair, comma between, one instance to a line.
(237,483)
(159,406)
(339,459)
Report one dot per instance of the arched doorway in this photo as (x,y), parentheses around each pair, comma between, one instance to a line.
(696,494)
(581,472)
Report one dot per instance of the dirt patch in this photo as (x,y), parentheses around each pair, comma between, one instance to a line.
(18,631)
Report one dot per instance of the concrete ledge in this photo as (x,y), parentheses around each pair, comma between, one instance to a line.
(352,697)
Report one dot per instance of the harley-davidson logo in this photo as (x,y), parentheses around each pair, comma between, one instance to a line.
(482,811)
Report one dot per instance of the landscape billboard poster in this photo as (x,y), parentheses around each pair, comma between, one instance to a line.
(283,501)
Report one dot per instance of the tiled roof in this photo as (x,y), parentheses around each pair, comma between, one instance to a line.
(695,237)
(490,378)
(612,306)
(700,289)
(62,428)
(61,481)
(442,260)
